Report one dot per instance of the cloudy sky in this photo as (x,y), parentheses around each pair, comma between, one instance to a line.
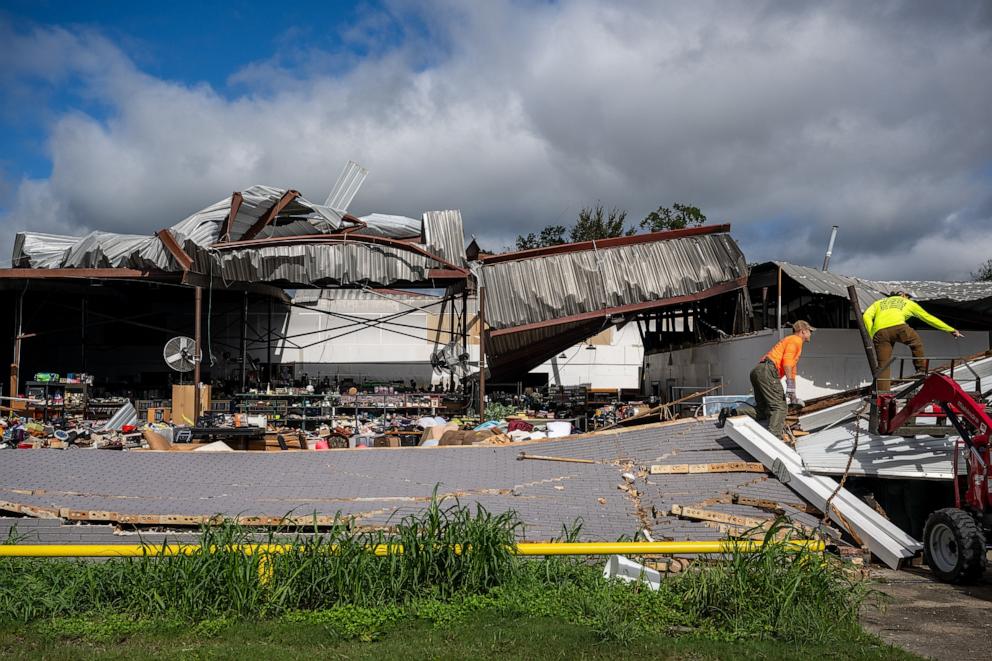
(782,118)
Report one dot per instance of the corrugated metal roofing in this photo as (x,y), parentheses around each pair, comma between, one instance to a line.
(827,452)
(833,284)
(393,227)
(542,293)
(544,288)
(324,264)
(444,235)
(303,265)
(958,292)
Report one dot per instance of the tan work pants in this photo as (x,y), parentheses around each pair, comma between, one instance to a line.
(884,342)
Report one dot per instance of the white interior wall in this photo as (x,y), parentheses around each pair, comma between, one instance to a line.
(613,365)
(832,361)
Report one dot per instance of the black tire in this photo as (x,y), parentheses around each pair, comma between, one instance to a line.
(954,546)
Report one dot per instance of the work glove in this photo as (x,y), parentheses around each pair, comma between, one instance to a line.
(790,392)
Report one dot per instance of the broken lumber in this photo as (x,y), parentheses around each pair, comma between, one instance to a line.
(722,467)
(771,505)
(541,457)
(717,517)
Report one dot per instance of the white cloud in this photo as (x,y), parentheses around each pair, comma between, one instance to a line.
(783,121)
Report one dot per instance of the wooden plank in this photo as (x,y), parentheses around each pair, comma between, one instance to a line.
(771,505)
(722,467)
(87,515)
(30,510)
(717,517)
(728,467)
(669,469)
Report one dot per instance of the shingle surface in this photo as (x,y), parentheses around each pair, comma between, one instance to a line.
(379,486)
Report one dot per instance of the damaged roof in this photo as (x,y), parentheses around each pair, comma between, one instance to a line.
(267,234)
(833,284)
(540,301)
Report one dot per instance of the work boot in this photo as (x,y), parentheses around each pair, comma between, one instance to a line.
(721,419)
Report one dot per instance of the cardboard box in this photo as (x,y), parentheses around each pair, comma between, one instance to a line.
(464,437)
(159,414)
(183,403)
(386,441)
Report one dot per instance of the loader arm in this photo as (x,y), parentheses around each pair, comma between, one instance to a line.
(942,390)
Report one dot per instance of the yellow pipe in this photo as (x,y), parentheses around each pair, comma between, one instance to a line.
(523,548)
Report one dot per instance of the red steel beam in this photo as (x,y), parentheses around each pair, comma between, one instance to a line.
(176,250)
(225,230)
(716,290)
(606,243)
(269,215)
(71,273)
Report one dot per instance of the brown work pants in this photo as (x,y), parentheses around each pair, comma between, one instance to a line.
(769,396)
(886,339)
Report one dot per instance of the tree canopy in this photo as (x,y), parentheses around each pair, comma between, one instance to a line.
(679,216)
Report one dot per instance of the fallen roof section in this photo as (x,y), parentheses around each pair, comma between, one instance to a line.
(372,488)
(922,458)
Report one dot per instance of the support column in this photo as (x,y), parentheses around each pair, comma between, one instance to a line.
(465,320)
(244,343)
(197,354)
(268,341)
(482,354)
(778,316)
(15,367)
(82,337)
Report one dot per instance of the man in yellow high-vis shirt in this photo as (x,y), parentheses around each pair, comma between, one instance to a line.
(885,320)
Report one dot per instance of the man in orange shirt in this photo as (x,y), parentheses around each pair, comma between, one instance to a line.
(766,378)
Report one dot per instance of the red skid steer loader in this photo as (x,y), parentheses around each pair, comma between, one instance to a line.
(954,539)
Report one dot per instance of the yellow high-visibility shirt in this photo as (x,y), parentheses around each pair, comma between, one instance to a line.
(895,310)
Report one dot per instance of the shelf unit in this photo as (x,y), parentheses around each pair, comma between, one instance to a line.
(301,409)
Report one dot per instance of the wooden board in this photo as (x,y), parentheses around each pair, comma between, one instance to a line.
(717,517)
(723,467)
(771,505)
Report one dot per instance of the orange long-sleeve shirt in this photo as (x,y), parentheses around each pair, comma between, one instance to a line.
(785,354)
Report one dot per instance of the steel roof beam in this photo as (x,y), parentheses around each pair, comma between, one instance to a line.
(270,215)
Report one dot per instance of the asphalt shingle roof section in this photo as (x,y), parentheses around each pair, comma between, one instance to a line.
(375,487)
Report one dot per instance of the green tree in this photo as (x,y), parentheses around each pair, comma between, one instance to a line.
(596,223)
(984,272)
(552,235)
(680,216)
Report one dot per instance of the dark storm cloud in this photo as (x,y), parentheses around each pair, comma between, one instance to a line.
(783,118)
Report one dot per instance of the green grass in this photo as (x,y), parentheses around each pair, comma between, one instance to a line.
(486,636)
(349,596)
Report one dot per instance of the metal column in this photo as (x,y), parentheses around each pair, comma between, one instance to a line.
(482,354)
(197,354)
(268,341)
(244,342)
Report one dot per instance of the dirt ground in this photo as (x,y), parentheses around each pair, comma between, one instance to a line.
(933,619)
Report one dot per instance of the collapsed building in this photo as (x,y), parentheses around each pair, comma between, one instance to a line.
(268,284)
